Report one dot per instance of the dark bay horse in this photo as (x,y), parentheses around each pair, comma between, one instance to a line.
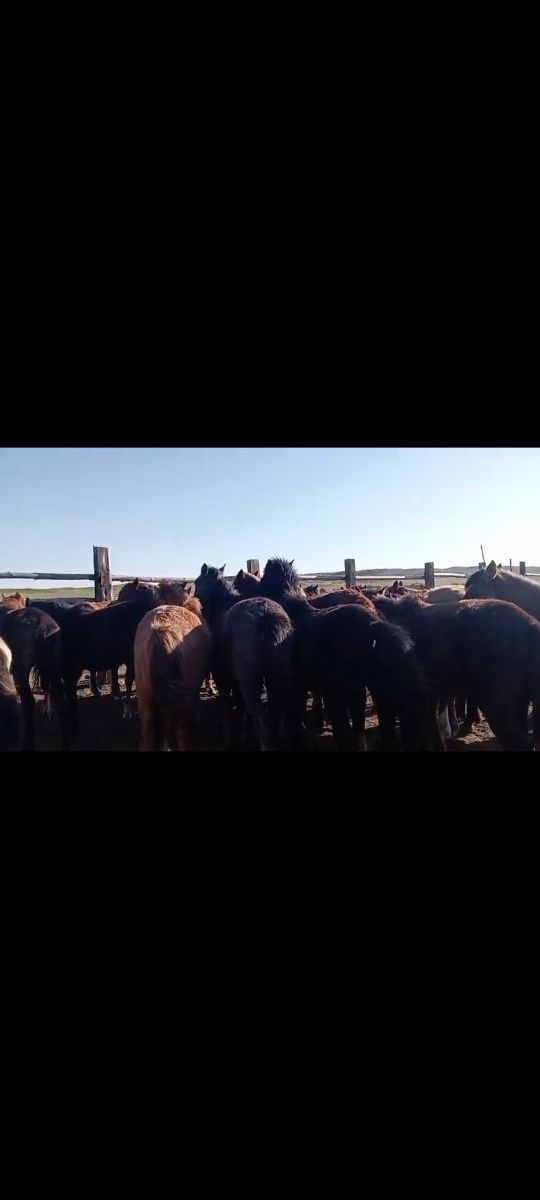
(217,595)
(281,579)
(35,643)
(496,584)
(340,652)
(100,640)
(257,633)
(486,649)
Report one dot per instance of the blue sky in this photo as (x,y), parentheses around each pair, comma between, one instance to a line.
(165,511)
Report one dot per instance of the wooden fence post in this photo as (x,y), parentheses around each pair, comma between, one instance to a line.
(102,591)
(522,569)
(350,572)
(429,575)
(102,574)
(253,566)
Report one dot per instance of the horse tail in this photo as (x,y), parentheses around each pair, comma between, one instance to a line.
(169,688)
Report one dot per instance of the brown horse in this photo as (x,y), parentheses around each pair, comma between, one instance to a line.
(10,723)
(444,595)
(247,584)
(504,585)
(347,596)
(173,647)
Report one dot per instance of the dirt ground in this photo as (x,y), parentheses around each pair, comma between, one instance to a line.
(104,728)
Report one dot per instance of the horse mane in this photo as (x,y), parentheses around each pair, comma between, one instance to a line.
(279,577)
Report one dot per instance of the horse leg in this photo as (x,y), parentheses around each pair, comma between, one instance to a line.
(442,719)
(56,701)
(502,716)
(357,709)
(150,735)
(452,717)
(27,703)
(130,676)
(339,720)
(71,727)
(275,714)
(115,686)
(93,685)
(472,718)
(437,739)
(229,718)
(250,684)
(317,710)
(386,716)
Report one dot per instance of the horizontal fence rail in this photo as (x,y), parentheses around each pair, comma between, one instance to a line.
(103,578)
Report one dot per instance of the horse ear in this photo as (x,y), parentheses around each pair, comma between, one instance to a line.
(491,570)
(291,562)
(240,575)
(136,582)
(204,569)
(187,588)
(221,569)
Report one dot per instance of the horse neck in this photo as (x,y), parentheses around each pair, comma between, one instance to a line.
(219,603)
(298,609)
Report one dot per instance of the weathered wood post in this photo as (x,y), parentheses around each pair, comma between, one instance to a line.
(429,575)
(102,574)
(102,591)
(253,566)
(350,572)
(522,569)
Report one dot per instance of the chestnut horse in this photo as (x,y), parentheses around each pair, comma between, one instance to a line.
(16,600)
(173,648)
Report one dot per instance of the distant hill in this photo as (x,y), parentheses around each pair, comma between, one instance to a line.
(411,572)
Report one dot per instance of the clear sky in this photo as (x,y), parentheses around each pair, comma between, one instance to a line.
(165,511)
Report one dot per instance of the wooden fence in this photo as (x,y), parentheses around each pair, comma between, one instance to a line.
(103,579)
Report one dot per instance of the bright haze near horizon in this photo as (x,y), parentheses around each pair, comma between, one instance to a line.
(162,512)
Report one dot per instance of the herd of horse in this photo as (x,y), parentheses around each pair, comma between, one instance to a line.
(433,662)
